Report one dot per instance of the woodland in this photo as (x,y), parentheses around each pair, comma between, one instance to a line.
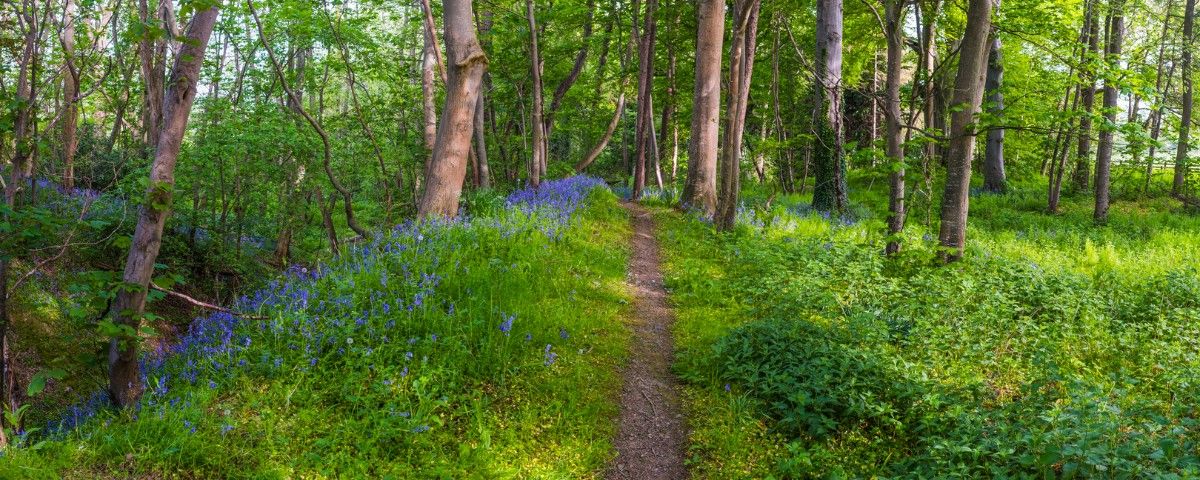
(633,239)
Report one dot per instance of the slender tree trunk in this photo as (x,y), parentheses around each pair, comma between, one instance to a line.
(70,94)
(894,24)
(968,95)
(741,67)
(467,63)
(994,179)
(608,134)
(1185,122)
(152,61)
(538,126)
(1104,149)
(643,139)
(700,191)
(429,61)
(125,383)
(830,192)
(347,196)
(576,69)
(1082,174)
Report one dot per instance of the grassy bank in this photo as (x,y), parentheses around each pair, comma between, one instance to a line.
(486,347)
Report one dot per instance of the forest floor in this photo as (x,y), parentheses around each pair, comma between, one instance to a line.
(651,433)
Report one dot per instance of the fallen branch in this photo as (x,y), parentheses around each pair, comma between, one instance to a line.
(204,305)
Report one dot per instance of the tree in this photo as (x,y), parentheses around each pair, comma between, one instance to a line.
(539,127)
(125,383)
(894,32)
(830,192)
(994,179)
(965,103)
(741,68)
(1083,170)
(1104,149)
(448,165)
(1185,123)
(700,191)
(644,137)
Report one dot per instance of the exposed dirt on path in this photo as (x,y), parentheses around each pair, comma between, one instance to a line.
(652,434)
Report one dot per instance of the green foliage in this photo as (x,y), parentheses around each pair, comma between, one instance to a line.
(1055,349)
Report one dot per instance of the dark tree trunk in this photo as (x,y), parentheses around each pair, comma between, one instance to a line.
(1104,150)
(1080,178)
(994,179)
(1185,122)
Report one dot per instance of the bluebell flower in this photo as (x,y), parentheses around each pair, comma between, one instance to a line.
(506,325)
(562,333)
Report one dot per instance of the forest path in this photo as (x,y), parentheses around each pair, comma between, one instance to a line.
(651,434)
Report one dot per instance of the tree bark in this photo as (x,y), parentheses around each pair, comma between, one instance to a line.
(894,25)
(830,192)
(1185,122)
(741,67)
(125,383)
(994,179)
(466,65)
(608,134)
(538,126)
(700,191)
(70,94)
(1081,177)
(1104,149)
(966,100)
(576,69)
(643,137)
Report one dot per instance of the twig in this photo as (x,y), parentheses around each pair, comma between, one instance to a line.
(201,304)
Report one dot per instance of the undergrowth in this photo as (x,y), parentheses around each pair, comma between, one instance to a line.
(485,347)
(1056,349)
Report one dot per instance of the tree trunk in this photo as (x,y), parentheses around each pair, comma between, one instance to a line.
(1082,174)
(447,168)
(429,61)
(125,383)
(741,68)
(643,137)
(70,94)
(577,68)
(151,53)
(830,192)
(894,24)
(968,95)
(1104,149)
(538,126)
(700,191)
(1185,122)
(608,134)
(994,179)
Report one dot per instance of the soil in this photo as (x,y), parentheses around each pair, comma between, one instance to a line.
(652,432)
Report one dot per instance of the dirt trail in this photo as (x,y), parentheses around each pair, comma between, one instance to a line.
(651,435)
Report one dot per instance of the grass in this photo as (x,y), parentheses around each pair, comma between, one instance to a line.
(479,349)
(1057,348)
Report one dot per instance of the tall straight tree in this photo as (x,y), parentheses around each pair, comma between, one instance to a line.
(894,32)
(965,103)
(741,69)
(538,126)
(124,381)
(700,191)
(466,65)
(830,191)
(1083,155)
(1185,123)
(70,93)
(1104,149)
(644,136)
(994,179)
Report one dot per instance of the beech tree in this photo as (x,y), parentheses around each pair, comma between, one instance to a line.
(830,192)
(1183,146)
(1104,149)
(467,63)
(965,102)
(994,178)
(700,191)
(741,68)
